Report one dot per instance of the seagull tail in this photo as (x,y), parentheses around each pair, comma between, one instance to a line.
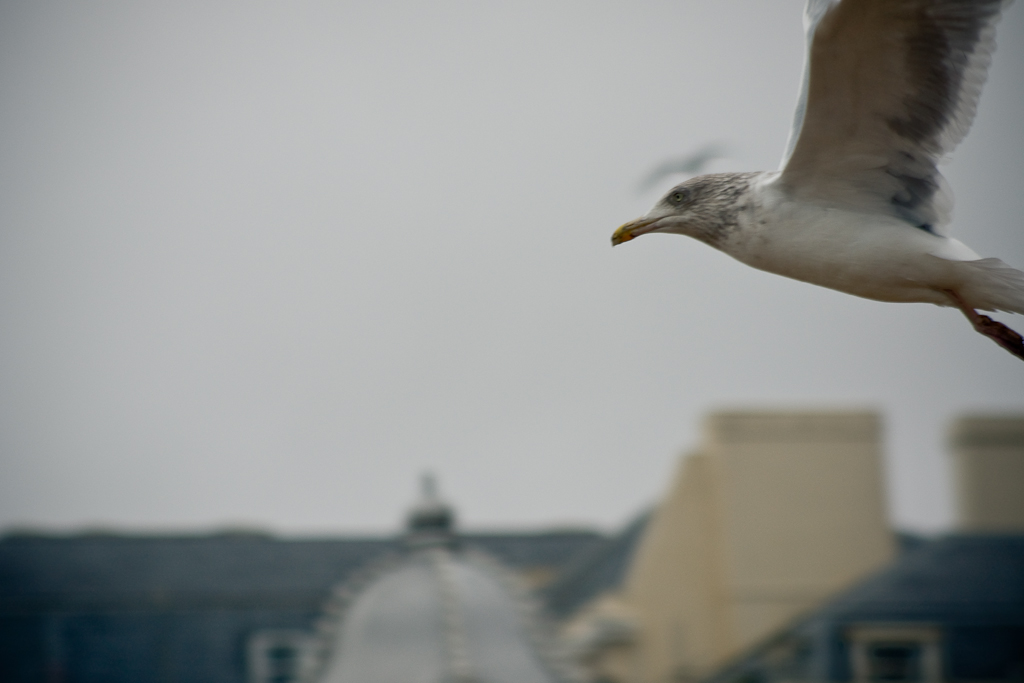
(993,286)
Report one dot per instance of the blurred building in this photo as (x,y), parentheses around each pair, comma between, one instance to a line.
(769,559)
(948,609)
(774,513)
(227,608)
(988,459)
(438,613)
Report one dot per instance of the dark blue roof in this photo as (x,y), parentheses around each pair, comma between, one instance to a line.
(971,586)
(107,571)
(602,569)
(131,609)
(953,577)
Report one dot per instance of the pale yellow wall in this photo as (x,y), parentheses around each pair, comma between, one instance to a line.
(675,582)
(776,512)
(988,457)
(802,507)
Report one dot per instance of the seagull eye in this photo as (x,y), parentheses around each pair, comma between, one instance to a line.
(678,197)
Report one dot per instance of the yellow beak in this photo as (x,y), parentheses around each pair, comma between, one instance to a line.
(630,230)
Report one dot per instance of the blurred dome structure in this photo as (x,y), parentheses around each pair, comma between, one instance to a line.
(437,613)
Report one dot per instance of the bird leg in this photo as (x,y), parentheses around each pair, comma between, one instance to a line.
(993,329)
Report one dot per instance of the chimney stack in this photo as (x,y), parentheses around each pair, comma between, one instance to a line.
(988,458)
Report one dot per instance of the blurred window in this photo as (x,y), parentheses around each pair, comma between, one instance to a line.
(895,652)
(279,656)
(894,661)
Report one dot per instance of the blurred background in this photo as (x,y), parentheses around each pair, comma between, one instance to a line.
(262,264)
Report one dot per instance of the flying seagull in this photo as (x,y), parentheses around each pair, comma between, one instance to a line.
(890,87)
(691,164)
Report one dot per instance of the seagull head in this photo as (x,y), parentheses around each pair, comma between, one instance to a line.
(702,207)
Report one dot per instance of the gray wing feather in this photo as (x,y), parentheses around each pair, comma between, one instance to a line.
(890,88)
(813,12)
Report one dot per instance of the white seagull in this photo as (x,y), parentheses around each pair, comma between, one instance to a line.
(890,87)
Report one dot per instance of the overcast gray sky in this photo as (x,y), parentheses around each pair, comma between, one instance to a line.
(262,263)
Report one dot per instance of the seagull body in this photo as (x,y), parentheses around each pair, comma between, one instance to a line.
(872,256)
(890,88)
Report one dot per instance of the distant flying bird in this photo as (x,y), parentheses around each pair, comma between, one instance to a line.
(691,164)
(890,87)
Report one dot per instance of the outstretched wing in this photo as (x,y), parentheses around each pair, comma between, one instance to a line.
(890,87)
